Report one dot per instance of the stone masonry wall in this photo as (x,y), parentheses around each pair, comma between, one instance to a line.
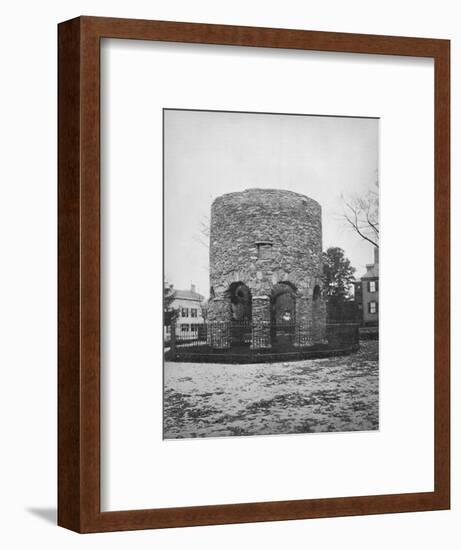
(262,237)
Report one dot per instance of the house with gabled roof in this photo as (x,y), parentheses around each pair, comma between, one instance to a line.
(366,292)
(189,305)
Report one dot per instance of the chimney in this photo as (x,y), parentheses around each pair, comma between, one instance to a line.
(192,288)
(376,252)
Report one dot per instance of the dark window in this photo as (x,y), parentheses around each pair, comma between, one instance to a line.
(193,312)
(194,328)
(184,312)
(316,294)
(240,298)
(184,328)
(264,251)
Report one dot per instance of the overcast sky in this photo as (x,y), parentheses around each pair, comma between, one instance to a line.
(207,154)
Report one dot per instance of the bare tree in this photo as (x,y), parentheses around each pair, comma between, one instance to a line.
(203,235)
(362,214)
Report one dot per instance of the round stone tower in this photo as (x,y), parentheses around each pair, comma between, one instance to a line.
(265,269)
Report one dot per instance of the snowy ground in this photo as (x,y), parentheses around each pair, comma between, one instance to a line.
(319,395)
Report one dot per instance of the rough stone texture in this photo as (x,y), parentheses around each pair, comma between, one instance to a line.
(319,315)
(219,316)
(261,332)
(265,238)
(304,326)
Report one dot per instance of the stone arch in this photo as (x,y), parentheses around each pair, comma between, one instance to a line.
(283,302)
(240,299)
(240,304)
(283,312)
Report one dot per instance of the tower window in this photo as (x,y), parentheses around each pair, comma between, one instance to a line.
(316,293)
(264,250)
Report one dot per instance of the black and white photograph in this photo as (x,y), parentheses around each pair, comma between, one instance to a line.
(271,273)
(207,341)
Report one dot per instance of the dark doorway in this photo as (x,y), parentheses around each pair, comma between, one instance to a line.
(283,314)
(240,303)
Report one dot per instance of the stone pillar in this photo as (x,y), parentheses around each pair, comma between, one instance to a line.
(319,319)
(303,336)
(260,322)
(219,323)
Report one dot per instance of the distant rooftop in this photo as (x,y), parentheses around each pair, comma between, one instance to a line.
(372,272)
(191,294)
(372,269)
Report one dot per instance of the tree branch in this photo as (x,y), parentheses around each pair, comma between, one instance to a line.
(357,229)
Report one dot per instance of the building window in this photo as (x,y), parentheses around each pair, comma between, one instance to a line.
(184,328)
(193,312)
(316,293)
(264,250)
(372,286)
(168,329)
(194,328)
(184,312)
(373,307)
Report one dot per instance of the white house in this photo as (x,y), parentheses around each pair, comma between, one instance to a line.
(189,305)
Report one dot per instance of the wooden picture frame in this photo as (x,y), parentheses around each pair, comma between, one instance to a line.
(79,274)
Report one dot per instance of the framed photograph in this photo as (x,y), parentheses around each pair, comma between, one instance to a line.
(254,274)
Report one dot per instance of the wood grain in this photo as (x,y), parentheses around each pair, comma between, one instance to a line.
(79,274)
(69,364)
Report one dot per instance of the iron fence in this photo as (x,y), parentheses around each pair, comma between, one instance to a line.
(263,335)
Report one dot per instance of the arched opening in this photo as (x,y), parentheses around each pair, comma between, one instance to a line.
(240,304)
(283,313)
